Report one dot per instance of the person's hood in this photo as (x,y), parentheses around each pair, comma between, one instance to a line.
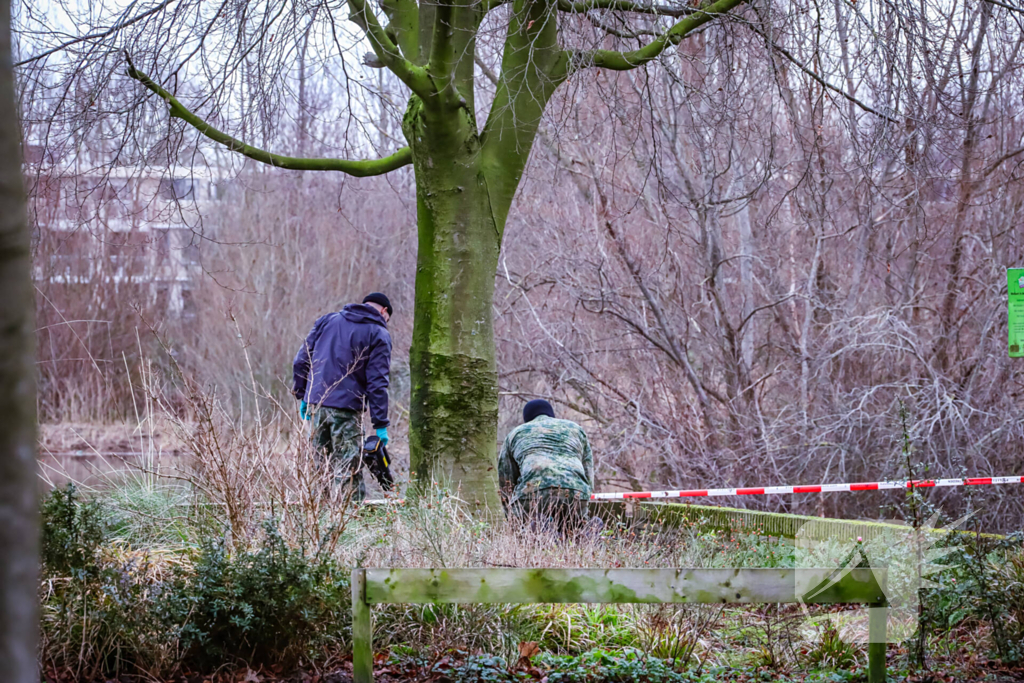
(361,313)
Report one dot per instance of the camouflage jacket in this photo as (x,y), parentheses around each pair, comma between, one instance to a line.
(545,453)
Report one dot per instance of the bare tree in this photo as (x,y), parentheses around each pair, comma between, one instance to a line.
(733,267)
(761,276)
(466,174)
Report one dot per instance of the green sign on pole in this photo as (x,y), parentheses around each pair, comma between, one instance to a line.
(1015,285)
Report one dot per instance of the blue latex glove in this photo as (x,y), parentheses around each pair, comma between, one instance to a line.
(382,434)
(304,411)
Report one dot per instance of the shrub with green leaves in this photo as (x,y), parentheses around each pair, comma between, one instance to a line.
(600,666)
(595,666)
(269,606)
(476,669)
(109,610)
(72,532)
(95,613)
(985,582)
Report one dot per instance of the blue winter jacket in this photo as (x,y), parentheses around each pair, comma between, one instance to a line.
(349,353)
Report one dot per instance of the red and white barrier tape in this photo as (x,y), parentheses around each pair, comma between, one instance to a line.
(820,488)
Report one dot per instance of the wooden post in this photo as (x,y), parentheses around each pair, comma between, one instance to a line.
(362,630)
(878,615)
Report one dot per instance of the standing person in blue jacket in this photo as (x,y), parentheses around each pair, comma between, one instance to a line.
(342,368)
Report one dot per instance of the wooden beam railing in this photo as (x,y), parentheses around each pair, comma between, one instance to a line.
(776,524)
(616,586)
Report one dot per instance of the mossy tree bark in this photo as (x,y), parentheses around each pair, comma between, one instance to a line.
(466,178)
(465,181)
(454,373)
(18,482)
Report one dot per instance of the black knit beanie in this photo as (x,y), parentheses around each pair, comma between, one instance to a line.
(380,300)
(537,407)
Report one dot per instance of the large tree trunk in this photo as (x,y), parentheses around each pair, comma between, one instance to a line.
(454,412)
(18,532)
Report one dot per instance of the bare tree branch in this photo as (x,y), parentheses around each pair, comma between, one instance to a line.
(624,61)
(98,35)
(359,169)
(388,53)
(999,162)
(581,6)
(1005,6)
(821,81)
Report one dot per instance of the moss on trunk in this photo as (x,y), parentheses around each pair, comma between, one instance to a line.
(454,412)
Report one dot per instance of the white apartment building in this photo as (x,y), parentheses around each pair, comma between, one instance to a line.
(132,229)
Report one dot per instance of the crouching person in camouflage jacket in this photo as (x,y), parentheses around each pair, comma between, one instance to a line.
(546,470)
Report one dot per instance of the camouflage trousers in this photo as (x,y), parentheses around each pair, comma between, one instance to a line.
(554,509)
(338,440)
